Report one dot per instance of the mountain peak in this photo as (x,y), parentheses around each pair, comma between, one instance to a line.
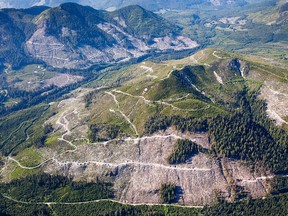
(84,36)
(145,22)
(72,5)
(104,4)
(133,7)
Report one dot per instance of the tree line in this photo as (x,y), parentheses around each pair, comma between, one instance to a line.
(246,134)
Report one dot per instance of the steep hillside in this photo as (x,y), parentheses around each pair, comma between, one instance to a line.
(283,14)
(195,123)
(15,27)
(74,36)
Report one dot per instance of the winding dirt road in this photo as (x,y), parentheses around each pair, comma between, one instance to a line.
(161,102)
(123,114)
(97,201)
(214,54)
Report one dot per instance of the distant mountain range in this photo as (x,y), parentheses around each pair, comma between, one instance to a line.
(75,36)
(110,4)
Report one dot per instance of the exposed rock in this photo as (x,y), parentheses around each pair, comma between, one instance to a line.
(276,95)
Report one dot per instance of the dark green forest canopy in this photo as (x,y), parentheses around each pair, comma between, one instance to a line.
(37,188)
(168,193)
(246,134)
(183,150)
(46,188)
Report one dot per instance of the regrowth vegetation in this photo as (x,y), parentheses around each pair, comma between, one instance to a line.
(103,132)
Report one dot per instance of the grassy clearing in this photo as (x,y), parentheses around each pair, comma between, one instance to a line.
(164,82)
(191,104)
(105,111)
(29,77)
(29,157)
(52,139)
(18,172)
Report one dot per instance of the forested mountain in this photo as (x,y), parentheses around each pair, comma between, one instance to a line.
(104,4)
(74,36)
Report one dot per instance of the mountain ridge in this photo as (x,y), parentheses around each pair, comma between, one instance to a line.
(75,36)
(108,4)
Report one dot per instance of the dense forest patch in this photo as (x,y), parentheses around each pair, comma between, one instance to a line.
(103,132)
(168,193)
(46,188)
(183,150)
(246,134)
